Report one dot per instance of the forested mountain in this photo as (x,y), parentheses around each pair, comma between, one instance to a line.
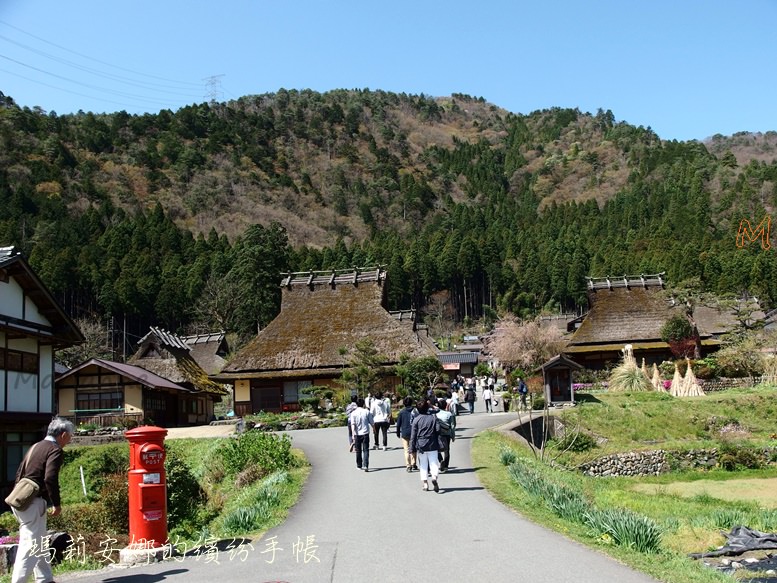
(185,219)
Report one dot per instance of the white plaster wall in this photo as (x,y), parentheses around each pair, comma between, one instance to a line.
(22,392)
(46,379)
(32,315)
(11,299)
(24,344)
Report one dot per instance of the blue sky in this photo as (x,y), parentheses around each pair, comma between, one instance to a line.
(687,68)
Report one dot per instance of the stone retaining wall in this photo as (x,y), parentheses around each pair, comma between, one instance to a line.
(659,461)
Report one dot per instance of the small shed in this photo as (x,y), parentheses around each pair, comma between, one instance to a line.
(557,377)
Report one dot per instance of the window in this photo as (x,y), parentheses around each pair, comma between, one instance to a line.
(94,401)
(15,444)
(293,391)
(19,361)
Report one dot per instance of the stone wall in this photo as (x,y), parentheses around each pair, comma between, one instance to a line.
(659,461)
(640,463)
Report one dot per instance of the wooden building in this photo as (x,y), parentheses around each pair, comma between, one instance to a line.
(557,379)
(323,315)
(162,384)
(32,327)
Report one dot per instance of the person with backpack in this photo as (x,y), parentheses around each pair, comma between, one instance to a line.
(404,426)
(380,409)
(522,391)
(446,427)
(424,443)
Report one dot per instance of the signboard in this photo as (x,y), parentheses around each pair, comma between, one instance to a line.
(152,478)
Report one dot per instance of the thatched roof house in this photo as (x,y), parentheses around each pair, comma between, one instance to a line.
(322,316)
(167,355)
(632,310)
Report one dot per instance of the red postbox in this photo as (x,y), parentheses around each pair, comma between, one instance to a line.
(147,487)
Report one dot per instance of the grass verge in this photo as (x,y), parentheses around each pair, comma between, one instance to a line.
(669,563)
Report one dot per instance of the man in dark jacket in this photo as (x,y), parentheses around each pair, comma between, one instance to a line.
(424,442)
(41,465)
(404,426)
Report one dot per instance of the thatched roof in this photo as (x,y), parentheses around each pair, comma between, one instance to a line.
(623,315)
(167,355)
(632,310)
(321,315)
(208,350)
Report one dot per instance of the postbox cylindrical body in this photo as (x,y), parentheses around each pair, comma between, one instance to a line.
(147,487)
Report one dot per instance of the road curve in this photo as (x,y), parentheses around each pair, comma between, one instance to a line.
(355,527)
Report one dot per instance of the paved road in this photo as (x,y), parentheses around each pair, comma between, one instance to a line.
(356,527)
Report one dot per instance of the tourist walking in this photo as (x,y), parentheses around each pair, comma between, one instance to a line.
(424,443)
(381,410)
(41,465)
(446,427)
(522,391)
(361,421)
(453,403)
(350,408)
(469,397)
(487,396)
(404,427)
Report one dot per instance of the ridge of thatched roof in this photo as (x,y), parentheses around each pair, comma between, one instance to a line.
(208,350)
(623,314)
(633,310)
(165,354)
(320,318)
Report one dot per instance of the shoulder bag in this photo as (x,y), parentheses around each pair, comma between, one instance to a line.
(25,490)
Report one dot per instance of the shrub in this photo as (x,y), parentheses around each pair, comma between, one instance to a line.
(736,457)
(114,499)
(270,451)
(676,328)
(576,442)
(538,403)
(184,494)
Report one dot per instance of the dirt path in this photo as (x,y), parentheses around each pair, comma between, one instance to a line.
(201,431)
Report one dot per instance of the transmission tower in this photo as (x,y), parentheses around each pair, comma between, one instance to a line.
(213,87)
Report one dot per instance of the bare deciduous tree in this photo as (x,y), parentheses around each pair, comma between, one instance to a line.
(527,345)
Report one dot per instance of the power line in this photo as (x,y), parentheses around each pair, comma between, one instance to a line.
(77,93)
(189,83)
(88,86)
(103,74)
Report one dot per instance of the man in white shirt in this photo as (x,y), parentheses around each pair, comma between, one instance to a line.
(380,409)
(361,420)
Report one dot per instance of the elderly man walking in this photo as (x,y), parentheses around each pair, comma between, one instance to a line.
(41,464)
(361,423)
